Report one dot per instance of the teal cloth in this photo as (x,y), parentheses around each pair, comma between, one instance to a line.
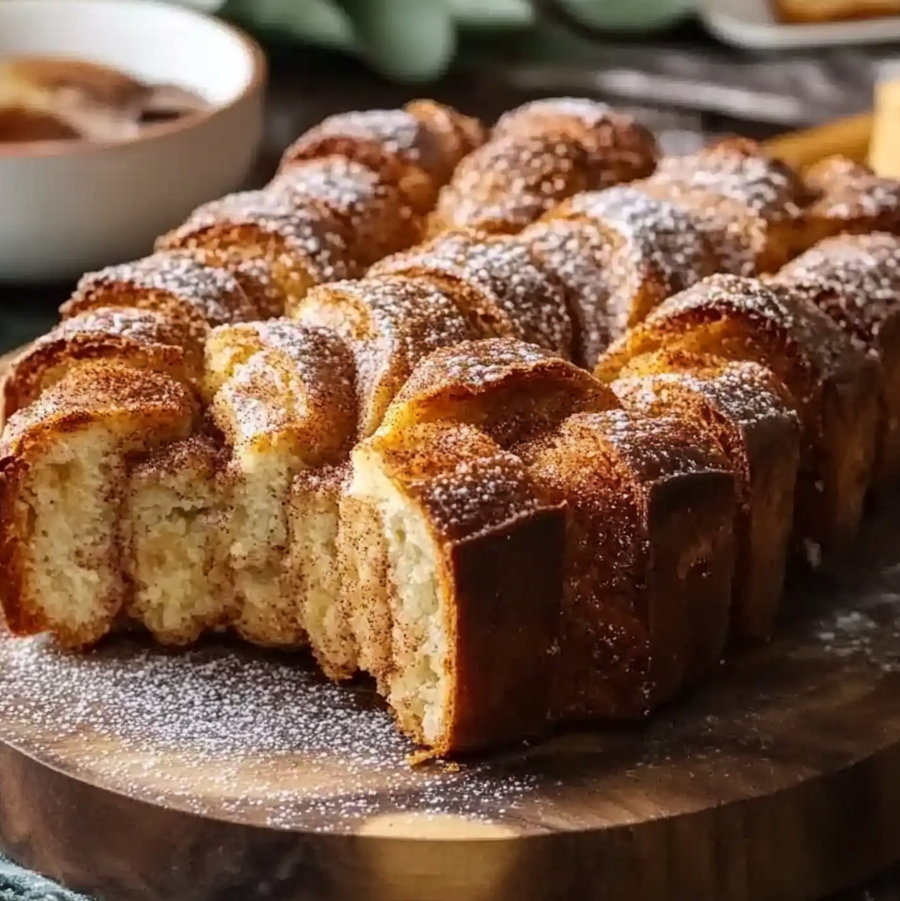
(17,884)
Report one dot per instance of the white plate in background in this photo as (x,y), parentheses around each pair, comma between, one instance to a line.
(752,24)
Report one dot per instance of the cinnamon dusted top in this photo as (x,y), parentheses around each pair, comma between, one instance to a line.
(739,168)
(466,484)
(514,296)
(765,313)
(392,323)
(254,275)
(301,384)
(852,196)
(309,230)
(511,181)
(855,279)
(96,392)
(427,135)
(165,281)
(510,388)
(616,143)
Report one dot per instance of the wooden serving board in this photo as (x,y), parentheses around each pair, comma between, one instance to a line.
(224,774)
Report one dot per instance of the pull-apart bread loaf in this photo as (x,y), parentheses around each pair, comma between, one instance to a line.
(749,414)
(855,279)
(619,253)
(649,559)
(833,383)
(63,478)
(569,423)
(538,155)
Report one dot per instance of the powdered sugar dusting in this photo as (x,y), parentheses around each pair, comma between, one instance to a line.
(220,723)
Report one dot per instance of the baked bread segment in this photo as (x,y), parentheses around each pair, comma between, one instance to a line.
(649,560)
(744,410)
(496,282)
(288,407)
(537,155)
(739,170)
(63,478)
(174,284)
(418,146)
(173,540)
(855,279)
(304,244)
(850,197)
(512,391)
(141,339)
(619,252)
(834,384)
(473,557)
(390,323)
(373,210)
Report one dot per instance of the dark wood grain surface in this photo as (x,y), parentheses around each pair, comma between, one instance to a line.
(97,839)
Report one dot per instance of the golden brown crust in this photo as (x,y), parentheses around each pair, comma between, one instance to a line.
(374,212)
(306,243)
(834,384)
(497,284)
(139,409)
(850,197)
(391,323)
(173,284)
(254,274)
(510,390)
(418,146)
(500,546)
(620,149)
(749,414)
(620,252)
(141,339)
(649,560)
(855,279)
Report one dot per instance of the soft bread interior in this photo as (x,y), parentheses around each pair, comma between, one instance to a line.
(176,554)
(418,685)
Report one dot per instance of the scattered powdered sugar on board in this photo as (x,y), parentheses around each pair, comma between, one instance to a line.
(145,716)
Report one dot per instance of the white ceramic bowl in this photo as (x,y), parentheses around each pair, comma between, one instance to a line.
(70,206)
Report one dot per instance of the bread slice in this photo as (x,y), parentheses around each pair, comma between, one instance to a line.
(510,390)
(305,244)
(834,384)
(749,415)
(620,253)
(419,146)
(63,479)
(175,552)
(141,339)
(473,555)
(619,148)
(175,284)
(390,323)
(290,406)
(497,283)
(649,560)
(510,181)
(855,279)
(850,197)
(313,567)
(372,208)
(741,170)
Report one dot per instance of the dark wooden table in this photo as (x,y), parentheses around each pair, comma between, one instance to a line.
(305,87)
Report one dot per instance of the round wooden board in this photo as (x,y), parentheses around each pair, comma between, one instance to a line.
(222,774)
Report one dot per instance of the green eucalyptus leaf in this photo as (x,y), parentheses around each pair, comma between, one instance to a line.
(491,14)
(321,22)
(408,40)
